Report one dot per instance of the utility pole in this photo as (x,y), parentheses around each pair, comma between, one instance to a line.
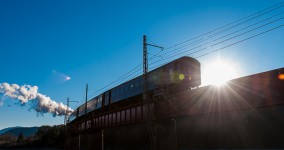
(86,104)
(65,118)
(145,69)
(151,131)
(86,98)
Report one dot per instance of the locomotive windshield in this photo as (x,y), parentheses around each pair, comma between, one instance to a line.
(184,70)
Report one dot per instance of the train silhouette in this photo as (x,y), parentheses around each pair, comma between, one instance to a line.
(123,103)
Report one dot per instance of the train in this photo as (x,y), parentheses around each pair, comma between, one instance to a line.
(180,74)
(246,112)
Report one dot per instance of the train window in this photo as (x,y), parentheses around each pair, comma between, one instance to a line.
(144,111)
(97,122)
(106,120)
(94,123)
(122,116)
(102,121)
(136,85)
(151,107)
(118,117)
(106,98)
(128,115)
(138,112)
(133,113)
(154,77)
(183,68)
(114,118)
(131,87)
(110,119)
(82,125)
(88,125)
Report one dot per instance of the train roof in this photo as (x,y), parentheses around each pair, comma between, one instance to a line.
(176,60)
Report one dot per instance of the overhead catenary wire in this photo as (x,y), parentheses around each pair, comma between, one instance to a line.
(271,29)
(158,65)
(229,45)
(135,69)
(125,76)
(209,32)
(204,46)
(213,35)
(129,75)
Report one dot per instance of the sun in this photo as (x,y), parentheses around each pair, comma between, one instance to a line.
(218,73)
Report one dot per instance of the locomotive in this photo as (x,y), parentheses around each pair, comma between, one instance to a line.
(180,74)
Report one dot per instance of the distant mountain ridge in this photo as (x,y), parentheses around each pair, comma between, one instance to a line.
(7,129)
(15,131)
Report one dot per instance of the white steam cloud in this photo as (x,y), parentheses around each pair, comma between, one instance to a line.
(39,102)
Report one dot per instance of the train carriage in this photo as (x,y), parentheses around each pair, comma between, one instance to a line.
(180,74)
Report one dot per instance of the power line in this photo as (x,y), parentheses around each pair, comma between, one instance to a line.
(204,48)
(250,26)
(118,79)
(232,44)
(255,15)
(227,29)
(130,75)
(271,29)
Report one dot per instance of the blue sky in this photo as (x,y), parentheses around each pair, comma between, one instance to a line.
(96,42)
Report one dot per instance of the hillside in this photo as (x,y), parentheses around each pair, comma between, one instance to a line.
(15,131)
(7,129)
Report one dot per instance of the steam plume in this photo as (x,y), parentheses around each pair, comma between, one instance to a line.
(39,102)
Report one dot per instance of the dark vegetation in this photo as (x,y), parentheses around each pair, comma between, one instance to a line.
(44,137)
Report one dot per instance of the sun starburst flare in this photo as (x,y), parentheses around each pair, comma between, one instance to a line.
(218,73)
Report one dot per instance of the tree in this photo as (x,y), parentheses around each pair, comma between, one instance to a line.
(51,136)
(20,137)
